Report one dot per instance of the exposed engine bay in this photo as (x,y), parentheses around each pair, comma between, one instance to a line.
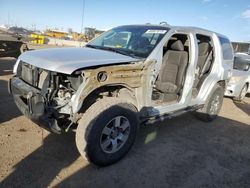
(50,99)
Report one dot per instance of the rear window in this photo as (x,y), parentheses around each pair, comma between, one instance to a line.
(226,48)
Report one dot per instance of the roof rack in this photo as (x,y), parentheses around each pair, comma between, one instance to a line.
(164,24)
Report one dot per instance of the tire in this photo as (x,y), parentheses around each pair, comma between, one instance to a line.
(212,106)
(102,115)
(242,94)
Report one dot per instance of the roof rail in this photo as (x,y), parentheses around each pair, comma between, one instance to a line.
(164,24)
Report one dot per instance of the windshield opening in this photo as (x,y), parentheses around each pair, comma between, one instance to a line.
(241,64)
(135,41)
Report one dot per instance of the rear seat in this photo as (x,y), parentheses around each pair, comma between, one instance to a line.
(204,61)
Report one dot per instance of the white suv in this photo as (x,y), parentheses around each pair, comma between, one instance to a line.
(127,76)
(238,85)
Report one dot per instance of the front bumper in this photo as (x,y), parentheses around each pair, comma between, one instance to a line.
(233,90)
(31,103)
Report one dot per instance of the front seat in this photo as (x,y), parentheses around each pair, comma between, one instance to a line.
(171,75)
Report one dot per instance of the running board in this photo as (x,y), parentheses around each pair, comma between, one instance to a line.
(171,115)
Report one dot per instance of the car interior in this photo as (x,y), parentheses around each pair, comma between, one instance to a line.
(169,83)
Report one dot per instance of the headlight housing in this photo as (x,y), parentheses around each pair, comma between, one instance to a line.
(235,79)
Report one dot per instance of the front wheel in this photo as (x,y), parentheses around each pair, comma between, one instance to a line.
(107,131)
(212,106)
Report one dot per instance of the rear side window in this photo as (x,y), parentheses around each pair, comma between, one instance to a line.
(226,48)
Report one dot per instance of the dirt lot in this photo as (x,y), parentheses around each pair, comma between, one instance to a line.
(182,152)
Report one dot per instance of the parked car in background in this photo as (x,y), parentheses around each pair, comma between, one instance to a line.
(238,85)
(19,31)
(127,76)
(11,45)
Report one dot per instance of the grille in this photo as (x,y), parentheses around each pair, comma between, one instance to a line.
(27,73)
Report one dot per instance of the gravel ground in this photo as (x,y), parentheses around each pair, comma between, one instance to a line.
(182,152)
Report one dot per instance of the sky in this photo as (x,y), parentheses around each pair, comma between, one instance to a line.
(228,17)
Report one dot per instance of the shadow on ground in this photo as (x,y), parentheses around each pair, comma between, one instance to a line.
(182,152)
(8,109)
(244,106)
(42,166)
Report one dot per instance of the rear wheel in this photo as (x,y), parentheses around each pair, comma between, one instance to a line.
(242,94)
(107,131)
(212,106)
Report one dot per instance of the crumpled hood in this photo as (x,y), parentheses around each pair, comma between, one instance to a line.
(67,60)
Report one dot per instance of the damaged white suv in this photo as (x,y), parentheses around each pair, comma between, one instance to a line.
(127,76)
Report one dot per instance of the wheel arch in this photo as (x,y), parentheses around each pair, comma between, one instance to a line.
(109,90)
(247,83)
(222,83)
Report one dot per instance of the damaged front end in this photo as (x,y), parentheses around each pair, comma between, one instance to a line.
(44,96)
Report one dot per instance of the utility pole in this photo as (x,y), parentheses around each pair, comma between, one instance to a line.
(8,19)
(83,7)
